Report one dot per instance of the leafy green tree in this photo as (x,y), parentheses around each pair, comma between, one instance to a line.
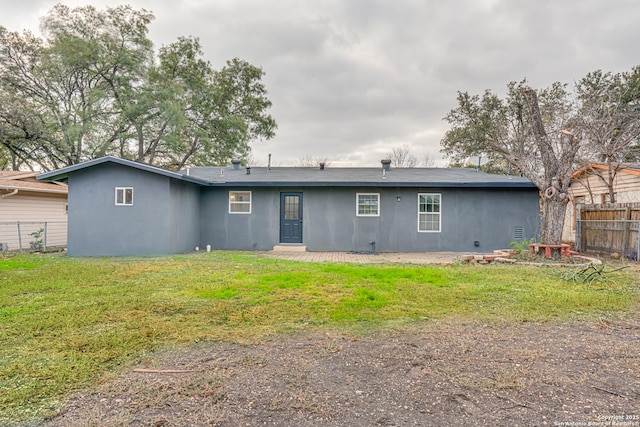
(69,80)
(200,115)
(93,86)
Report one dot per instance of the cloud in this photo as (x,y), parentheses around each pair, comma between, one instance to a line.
(351,79)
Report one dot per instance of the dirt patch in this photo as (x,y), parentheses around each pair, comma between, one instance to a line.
(440,373)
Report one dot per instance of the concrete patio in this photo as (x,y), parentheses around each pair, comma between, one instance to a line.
(364,258)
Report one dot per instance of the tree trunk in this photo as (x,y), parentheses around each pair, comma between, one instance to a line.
(558,167)
(552,222)
(140,136)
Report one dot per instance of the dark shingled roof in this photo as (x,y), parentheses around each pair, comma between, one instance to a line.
(373,177)
(315,177)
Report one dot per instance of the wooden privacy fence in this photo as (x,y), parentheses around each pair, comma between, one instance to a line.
(609,228)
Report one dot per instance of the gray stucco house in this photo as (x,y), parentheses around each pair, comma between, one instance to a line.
(120,207)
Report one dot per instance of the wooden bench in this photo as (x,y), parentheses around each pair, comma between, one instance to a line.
(565,250)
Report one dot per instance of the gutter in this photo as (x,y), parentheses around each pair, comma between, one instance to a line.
(425,184)
(13,193)
(33,189)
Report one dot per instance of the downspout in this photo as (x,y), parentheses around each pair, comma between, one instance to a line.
(13,193)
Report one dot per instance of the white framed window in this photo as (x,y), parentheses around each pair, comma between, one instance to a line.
(368,204)
(429,215)
(124,196)
(239,202)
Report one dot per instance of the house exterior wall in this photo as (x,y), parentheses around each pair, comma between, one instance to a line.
(256,231)
(97,227)
(184,221)
(487,216)
(33,209)
(593,189)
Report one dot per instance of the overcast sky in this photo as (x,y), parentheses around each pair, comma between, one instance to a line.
(350,80)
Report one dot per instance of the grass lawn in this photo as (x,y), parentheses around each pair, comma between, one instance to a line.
(68,323)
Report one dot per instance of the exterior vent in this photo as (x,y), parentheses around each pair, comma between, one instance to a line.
(4,247)
(322,164)
(236,164)
(386,164)
(518,233)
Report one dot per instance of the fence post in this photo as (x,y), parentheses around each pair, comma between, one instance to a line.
(579,230)
(626,231)
(638,245)
(19,236)
(44,241)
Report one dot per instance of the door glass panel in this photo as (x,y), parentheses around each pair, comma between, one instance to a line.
(291,207)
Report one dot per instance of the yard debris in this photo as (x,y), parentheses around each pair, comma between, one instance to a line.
(589,274)
(610,392)
(162,371)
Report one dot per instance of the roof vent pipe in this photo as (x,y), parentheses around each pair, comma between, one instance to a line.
(386,164)
(322,166)
(236,164)
(248,170)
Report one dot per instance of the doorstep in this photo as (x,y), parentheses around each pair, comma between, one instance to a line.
(291,247)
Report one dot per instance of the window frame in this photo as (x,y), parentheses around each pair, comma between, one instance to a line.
(439,213)
(124,196)
(377,214)
(250,203)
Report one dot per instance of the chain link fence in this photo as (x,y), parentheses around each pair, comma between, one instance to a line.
(32,236)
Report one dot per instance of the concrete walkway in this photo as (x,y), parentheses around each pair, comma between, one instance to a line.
(379,258)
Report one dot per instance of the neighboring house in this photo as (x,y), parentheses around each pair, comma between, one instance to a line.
(31,203)
(120,207)
(589,186)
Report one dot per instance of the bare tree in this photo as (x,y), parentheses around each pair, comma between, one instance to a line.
(401,157)
(250,159)
(428,159)
(307,161)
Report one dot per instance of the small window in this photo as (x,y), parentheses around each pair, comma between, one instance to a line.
(429,213)
(368,204)
(124,196)
(240,202)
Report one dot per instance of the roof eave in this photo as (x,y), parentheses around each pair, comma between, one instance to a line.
(64,173)
(584,170)
(372,184)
